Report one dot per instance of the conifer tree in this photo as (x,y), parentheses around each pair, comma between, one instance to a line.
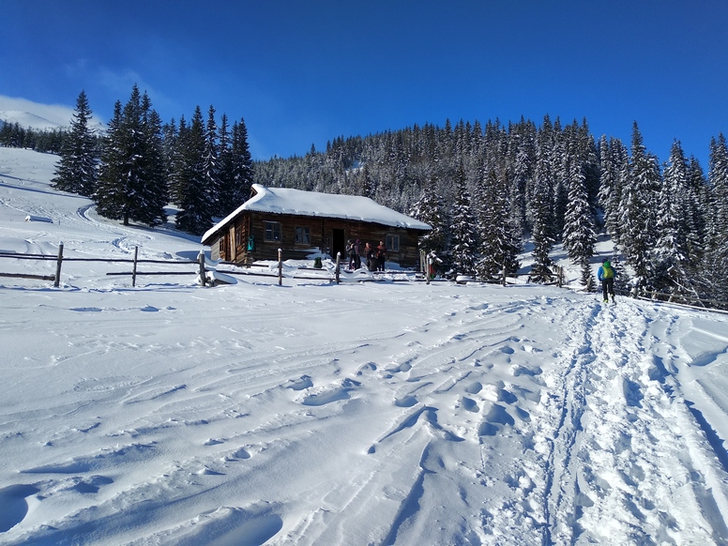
(132,182)
(242,163)
(154,191)
(670,255)
(579,237)
(77,170)
(193,194)
(541,207)
(462,228)
(716,259)
(638,215)
(429,209)
(499,235)
(211,164)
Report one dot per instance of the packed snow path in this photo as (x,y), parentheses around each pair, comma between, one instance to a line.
(363,414)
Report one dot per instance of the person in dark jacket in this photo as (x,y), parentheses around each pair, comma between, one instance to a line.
(371,255)
(357,254)
(606,276)
(381,255)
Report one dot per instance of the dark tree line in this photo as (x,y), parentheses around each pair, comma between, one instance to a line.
(488,189)
(12,135)
(141,165)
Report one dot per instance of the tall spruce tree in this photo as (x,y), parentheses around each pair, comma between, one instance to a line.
(670,253)
(77,170)
(499,235)
(193,195)
(242,163)
(463,230)
(211,164)
(131,182)
(429,209)
(715,266)
(579,237)
(638,209)
(541,207)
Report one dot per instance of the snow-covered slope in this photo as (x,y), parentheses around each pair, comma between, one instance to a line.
(359,413)
(27,120)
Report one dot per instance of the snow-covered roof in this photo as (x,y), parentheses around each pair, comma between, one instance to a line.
(325,205)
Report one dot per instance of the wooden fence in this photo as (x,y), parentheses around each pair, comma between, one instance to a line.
(60,259)
(201,271)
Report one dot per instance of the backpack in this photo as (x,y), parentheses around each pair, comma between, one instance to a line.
(607,273)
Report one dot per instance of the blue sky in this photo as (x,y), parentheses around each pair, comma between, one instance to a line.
(303,72)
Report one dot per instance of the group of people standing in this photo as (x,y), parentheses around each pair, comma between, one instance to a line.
(375,256)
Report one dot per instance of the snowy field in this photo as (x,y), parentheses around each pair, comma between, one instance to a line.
(353,414)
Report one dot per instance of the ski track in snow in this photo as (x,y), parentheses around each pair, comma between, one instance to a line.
(435,449)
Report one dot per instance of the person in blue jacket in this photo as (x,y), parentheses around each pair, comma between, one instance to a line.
(606,276)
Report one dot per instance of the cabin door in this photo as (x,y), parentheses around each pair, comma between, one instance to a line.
(338,244)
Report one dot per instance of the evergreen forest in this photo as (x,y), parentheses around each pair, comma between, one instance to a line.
(486,190)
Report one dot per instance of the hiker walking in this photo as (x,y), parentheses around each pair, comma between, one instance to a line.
(606,276)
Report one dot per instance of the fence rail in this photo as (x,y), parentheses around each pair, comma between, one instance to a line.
(201,270)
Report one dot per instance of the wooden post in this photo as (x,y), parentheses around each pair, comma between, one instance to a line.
(428,265)
(337,271)
(504,275)
(201,261)
(280,267)
(134,269)
(57,281)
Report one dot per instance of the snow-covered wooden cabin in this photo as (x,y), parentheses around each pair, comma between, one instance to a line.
(302,223)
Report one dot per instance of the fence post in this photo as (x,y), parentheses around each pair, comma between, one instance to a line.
(338,267)
(201,261)
(428,265)
(280,267)
(133,271)
(57,280)
(504,276)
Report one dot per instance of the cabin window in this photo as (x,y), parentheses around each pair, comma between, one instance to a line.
(393,243)
(303,235)
(272,231)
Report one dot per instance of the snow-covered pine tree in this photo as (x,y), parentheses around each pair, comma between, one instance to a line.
(670,255)
(77,169)
(109,192)
(242,163)
(463,229)
(194,197)
(639,196)
(429,209)
(154,191)
(608,195)
(132,182)
(211,164)
(578,236)
(541,212)
(699,207)
(715,266)
(499,235)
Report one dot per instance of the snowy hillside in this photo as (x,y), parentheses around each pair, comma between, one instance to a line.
(25,120)
(359,413)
